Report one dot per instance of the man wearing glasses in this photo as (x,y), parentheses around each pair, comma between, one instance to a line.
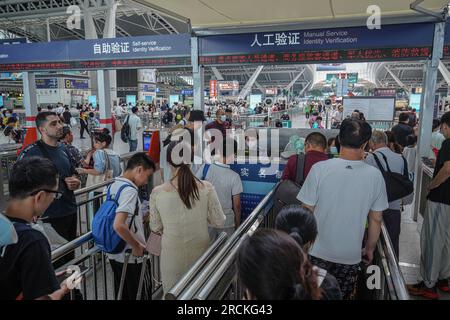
(26,271)
(62,213)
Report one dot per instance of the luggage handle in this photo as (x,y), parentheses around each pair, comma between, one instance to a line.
(142,276)
(124,272)
(146,257)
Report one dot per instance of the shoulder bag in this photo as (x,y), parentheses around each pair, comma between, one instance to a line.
(287,191)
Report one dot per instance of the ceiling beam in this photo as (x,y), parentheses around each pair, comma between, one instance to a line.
(396,79)
(289,86)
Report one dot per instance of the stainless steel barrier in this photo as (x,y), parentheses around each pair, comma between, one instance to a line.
(218,278)
(393,286)
(7,160)
(214,278)
(252,120)
(186,280)
(88,257)
(98,282)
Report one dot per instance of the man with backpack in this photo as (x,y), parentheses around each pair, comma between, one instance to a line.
(128,227)
(385,157)
(315,151)
(62,213)
(167,117)
(134,124)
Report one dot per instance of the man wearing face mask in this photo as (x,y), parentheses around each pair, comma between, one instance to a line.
(344,193)
(26,271)
(62,213)
(315,146)
(219,123)
(229,118)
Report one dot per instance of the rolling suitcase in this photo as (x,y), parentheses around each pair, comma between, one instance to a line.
(141,277)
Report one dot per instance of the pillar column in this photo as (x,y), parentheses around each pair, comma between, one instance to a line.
(198,75)
(104,99)
(90,33)
(109,31)
(427,109)
(29,98)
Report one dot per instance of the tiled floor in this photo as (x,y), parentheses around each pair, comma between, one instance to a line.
(410,249)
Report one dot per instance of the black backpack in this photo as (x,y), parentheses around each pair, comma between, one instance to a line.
(398,185)
(287,191)
(125,132)
(166,118)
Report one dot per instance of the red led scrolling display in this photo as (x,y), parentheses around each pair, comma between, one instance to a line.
(321,56)
(101,64)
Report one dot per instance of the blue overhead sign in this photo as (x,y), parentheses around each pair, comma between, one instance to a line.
(123,52)
(51,83)
(187,92)
(389,36)
(391,42)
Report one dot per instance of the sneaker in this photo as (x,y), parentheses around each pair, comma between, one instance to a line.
(420,289)
(443,285)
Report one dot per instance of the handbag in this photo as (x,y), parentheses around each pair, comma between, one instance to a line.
(153,245)
(107,175)
(287,191)
(398,185)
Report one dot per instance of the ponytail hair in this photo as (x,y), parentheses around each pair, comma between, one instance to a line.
(299,222)
(187,181)
(295,233)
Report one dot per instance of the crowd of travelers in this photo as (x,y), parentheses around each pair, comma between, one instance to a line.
(319,243)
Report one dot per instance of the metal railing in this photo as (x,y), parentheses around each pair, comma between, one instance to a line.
(254,120)
(98,282)
(7,160)
(393,286)
(88,257)
(218,278)
(186,281)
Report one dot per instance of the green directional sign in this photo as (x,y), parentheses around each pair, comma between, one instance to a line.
(352,77)
(332,77)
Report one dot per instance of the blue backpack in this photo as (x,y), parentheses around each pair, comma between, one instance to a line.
(105,237)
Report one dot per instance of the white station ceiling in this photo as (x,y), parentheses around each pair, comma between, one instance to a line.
(221,13)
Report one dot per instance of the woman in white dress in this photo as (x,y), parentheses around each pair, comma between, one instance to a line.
(181,210)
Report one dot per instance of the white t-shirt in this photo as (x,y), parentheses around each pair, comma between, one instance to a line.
(343,192)
(135,125)
(127,203)
(227,184)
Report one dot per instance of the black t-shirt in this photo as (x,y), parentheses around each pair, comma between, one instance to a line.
(401,131)
(66,205)
(25,267)
(67,115)
(441,194)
